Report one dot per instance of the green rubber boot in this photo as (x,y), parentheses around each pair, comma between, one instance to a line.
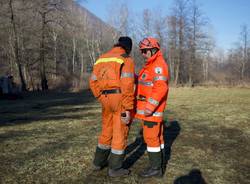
(115,166)
(101,158)
(155,168)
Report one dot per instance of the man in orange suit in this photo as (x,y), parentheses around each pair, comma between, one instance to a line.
(112,83)
(152,92)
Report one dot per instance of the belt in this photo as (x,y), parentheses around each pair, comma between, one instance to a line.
(141,98)
(111,91)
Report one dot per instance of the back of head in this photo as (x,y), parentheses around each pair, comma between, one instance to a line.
(126,43)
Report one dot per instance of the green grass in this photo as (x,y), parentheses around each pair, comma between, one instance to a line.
(51,138)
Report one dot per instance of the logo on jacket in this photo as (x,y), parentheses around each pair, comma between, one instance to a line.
(158,70)
(143,76)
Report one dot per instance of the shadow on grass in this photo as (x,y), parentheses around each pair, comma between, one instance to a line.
(38,106)
(138,147)
(193,177)
(171,131)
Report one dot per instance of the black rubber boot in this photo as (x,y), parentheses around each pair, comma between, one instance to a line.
(101,158)
(118,172)
(164,160)
(115,166)
(155,169)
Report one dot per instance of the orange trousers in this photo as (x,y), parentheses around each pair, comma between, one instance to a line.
(114,132)
(153,135)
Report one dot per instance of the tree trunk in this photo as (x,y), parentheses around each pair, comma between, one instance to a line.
(55,53)
(81,70)
(16,48)
(73,55)
(44,82)
(177,70)
(242,70)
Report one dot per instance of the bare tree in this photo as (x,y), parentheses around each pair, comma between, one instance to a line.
(178,21)
(208,46)
(238,57)
(16,44)
(121,21)
(147,23)
(244,50)
(197,39)
(47,11)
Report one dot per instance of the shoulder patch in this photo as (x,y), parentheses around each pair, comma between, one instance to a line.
(158,70)
(143,76)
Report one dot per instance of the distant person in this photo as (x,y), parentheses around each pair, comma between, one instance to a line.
(152,92)
(112,83)
(5,85)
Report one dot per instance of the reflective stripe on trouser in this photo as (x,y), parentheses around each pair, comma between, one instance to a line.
(103,146)
(155,114)
(162,136)
(153,136)
(114,131)
(115,151)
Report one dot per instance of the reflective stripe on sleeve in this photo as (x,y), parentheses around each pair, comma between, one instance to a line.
(158,114)
(155,114)
(93,77)
(144,83)
(154,149)
(104,146)
(111,59)
(160,78)
(153,101)
(141,112)
(117,152)
(127,75)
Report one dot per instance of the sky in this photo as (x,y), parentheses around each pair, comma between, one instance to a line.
(225,16)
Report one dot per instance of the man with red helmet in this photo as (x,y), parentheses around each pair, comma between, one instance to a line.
(152,92)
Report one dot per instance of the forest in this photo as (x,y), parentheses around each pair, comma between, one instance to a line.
(52,44)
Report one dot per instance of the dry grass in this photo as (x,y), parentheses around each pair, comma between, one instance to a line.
(51,138)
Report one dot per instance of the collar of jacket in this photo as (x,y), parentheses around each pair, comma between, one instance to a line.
(118,50)
(153,58)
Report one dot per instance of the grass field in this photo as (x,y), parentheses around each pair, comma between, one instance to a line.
(51,138)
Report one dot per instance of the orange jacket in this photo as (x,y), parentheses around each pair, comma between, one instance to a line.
(114,70)
(152,89)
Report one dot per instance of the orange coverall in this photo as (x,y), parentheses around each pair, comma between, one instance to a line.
(152,92)
(112,83)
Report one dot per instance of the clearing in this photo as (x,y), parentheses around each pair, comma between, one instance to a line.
(51,138)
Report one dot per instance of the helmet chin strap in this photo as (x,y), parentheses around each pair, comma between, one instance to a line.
(154,51)
(151,51)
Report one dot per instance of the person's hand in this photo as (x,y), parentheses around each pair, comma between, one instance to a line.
(125,117)
(148,112)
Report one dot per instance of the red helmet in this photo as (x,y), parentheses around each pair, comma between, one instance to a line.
(149,43)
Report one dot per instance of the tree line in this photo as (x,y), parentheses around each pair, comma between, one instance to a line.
(188,43)
(51,44)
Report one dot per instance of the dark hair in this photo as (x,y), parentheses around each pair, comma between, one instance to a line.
(126,43)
